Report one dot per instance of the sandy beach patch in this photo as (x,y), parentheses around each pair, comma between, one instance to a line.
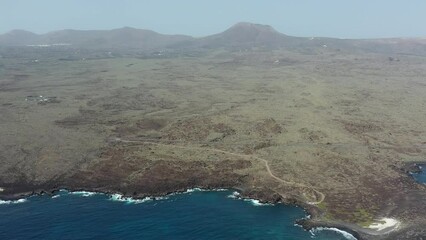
(384,224)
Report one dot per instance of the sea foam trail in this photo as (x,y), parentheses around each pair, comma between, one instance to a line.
(12,201)
(344,234)
(160,198)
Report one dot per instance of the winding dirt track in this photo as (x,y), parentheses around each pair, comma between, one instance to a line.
(244,156)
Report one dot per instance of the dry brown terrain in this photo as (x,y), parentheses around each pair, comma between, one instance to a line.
(328,129)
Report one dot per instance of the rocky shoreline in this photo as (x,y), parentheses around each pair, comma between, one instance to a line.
(24,189)
(264,197)
(414,167)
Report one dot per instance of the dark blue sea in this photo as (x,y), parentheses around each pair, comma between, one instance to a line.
(421,176)
(192,215)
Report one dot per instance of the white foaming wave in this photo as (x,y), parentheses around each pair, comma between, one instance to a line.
(256,202)
(343,233)
(120,198)
(83,193)
(13,201)
(114,197)
(190,190)
(234,195)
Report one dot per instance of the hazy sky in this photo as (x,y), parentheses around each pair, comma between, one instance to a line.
(329,18)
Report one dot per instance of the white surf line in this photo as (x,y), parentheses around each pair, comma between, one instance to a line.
(322,196)
(120,198)
(83,193)
(22,200)
(111,196)
(237,196)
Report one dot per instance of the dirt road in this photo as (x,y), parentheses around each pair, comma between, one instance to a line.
(244,156)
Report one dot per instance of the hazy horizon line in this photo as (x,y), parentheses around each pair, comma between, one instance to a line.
(201,36)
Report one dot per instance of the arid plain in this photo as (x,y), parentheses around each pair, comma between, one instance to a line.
(332,129)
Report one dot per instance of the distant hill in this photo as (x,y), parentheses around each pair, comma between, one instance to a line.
(98,39)
(246,35)
(240,36)
(18,38)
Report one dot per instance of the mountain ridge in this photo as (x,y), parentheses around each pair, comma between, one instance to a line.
(242,35)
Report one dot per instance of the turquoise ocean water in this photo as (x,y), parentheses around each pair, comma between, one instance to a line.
(192,215)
